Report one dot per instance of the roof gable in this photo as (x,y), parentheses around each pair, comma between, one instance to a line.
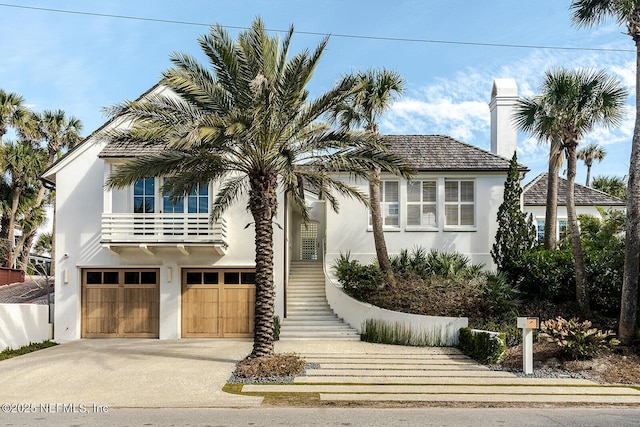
(535,194)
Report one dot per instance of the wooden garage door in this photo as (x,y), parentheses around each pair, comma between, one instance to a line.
(217,303)
(120,303)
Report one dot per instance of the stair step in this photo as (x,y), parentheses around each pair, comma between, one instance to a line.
(316,328)
(317,318)
(326,335)
(296,323)
(308,304)
(310,312)
(309,315)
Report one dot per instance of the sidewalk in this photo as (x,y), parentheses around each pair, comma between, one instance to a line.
(359,371)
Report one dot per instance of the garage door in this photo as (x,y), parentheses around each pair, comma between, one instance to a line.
(218,303)
(120,303)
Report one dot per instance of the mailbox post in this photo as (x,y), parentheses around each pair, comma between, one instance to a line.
(527,324)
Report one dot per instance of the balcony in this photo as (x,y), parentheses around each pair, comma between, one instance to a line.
(148,231)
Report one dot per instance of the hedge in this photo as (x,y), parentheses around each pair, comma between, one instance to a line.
(485,347)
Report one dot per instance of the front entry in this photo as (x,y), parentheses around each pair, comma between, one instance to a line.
(218,303)
(309,242)
(120,303)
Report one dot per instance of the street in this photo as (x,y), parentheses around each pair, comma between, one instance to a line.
(569,417)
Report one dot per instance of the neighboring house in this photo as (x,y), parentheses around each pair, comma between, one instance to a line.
(588,200)
(132,263)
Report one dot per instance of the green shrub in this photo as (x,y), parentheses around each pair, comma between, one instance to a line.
(548,275)
(507,325)
(500,297)
(482,346)
(399,333)
(357,280)
(603,245)
(425,264)
(576,340)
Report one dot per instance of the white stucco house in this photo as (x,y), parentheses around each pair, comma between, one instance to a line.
(130,263)
(588,201)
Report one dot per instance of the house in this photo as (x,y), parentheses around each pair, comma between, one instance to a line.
(588,201)
(452,202)
(132,263)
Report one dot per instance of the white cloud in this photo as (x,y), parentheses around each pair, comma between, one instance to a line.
(458,105)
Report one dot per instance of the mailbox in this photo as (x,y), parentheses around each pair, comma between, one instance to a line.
(528,322)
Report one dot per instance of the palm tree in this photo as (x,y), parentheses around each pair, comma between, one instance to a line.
(378,88)
(590,153)
(626,13)
(23,163)
(11,111)
(531,116)
(248,125)
(613,185)
(571,104)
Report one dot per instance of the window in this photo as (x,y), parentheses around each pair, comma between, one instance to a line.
(198,200)
(389,203)
(562,226)
(144,196)
(540,230)
(459,202)
(422,203)
(172,206)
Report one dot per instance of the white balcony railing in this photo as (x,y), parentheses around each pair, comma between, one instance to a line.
(162,228)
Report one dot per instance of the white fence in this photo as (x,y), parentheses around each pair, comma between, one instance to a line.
(22,324)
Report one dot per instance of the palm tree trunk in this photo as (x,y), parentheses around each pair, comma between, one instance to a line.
(4,225)
(378,232)
(588,182)
(24,245)
(15,200)
(551,211)
(574,230)
(629,298)
(263,203)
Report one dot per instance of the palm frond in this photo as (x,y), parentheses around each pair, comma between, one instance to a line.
(229,192)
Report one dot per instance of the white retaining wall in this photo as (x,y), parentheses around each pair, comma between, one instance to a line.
(355,313)
(22,324)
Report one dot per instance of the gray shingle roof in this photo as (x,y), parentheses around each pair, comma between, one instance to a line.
(126,149)
(535,194)
(423,152)
(443,153)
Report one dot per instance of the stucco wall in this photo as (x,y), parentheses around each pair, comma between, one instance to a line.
(355,313)
(538,212)
(23,324)
(79,206)
(348,230)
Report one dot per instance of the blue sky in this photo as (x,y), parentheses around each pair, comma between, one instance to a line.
(82,63)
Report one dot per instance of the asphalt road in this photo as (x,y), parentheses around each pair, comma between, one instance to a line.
(548,417)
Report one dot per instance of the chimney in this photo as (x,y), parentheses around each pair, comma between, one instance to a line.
(504,136)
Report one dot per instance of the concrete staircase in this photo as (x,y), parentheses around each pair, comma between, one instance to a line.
(309,316)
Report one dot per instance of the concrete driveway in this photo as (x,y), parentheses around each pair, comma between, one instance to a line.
(131,373)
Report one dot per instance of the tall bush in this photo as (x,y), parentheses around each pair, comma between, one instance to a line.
(516,233)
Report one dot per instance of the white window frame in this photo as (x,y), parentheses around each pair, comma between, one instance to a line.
(159,199)
(459,204)
(540,222)
(387,207)
(422,203)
